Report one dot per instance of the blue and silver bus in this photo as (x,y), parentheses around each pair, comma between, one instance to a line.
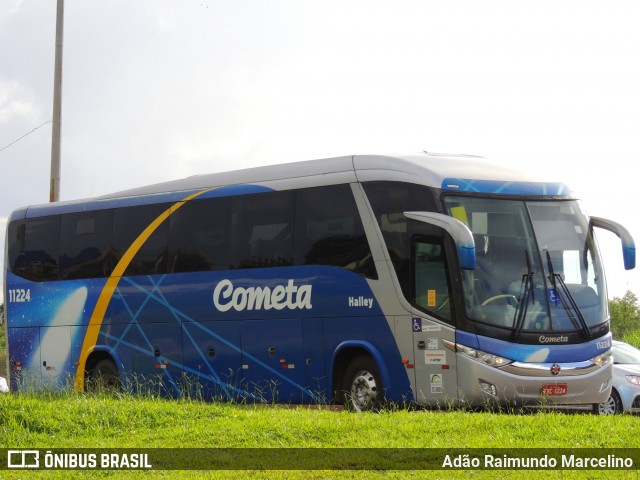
(437,280)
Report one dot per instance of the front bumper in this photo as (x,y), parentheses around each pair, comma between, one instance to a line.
(481,384)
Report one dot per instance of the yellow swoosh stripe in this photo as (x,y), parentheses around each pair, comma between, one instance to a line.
(97,317)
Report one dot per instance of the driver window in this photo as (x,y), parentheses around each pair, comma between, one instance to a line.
(430,290)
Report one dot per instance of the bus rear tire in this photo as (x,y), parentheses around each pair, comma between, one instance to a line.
(104,377)
(362,385)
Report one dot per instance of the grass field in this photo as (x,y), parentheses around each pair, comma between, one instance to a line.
(48,420)
(68,420)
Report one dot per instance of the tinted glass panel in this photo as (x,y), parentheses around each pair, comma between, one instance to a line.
(329,230)
(85,245)
(15,245)
(261,230)
(389,200)
(34,248)
(129,223)
(200,236)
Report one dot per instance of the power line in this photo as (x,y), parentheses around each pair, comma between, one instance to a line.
(26,134)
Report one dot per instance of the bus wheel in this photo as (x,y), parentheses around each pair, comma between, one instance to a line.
(104,377)
(612,406)
(362,385)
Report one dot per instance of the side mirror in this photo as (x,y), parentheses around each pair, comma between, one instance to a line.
(462,236)
(628,245)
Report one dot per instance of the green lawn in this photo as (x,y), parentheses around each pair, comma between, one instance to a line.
(99,421)
(68,420)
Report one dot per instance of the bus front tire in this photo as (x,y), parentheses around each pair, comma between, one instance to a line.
(362,385)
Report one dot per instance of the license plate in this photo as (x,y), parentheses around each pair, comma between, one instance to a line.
(554,389)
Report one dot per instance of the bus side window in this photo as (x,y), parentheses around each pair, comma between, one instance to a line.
(330,232)
(261,230)
(16,247)
(389,200)
(129,223)
(200,236)
(34,248)
(86,245)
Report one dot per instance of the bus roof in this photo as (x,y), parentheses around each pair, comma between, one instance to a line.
(446,171)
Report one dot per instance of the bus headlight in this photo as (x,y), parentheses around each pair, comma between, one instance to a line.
(495,360)
(602,359)
(484,357)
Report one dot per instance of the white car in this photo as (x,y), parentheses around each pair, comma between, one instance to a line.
(625,391)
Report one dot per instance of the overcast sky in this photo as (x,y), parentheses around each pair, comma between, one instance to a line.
(156,90)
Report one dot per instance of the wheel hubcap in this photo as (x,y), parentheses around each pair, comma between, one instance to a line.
(608,407)
(363,390)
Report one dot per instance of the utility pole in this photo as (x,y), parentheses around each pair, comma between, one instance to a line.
(54,193)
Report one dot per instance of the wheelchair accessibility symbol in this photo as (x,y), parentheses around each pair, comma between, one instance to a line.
(417,324)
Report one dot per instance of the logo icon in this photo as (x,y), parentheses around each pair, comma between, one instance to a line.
(555,369)
(23,459)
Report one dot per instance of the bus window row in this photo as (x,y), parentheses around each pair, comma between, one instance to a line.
(314,226)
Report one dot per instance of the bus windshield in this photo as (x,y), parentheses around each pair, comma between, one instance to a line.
(537,266)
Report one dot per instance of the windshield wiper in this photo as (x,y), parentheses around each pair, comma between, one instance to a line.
(557,278)
(526,290)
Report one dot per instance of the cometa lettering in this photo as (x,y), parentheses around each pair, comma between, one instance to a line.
(226,296)
(559,339)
